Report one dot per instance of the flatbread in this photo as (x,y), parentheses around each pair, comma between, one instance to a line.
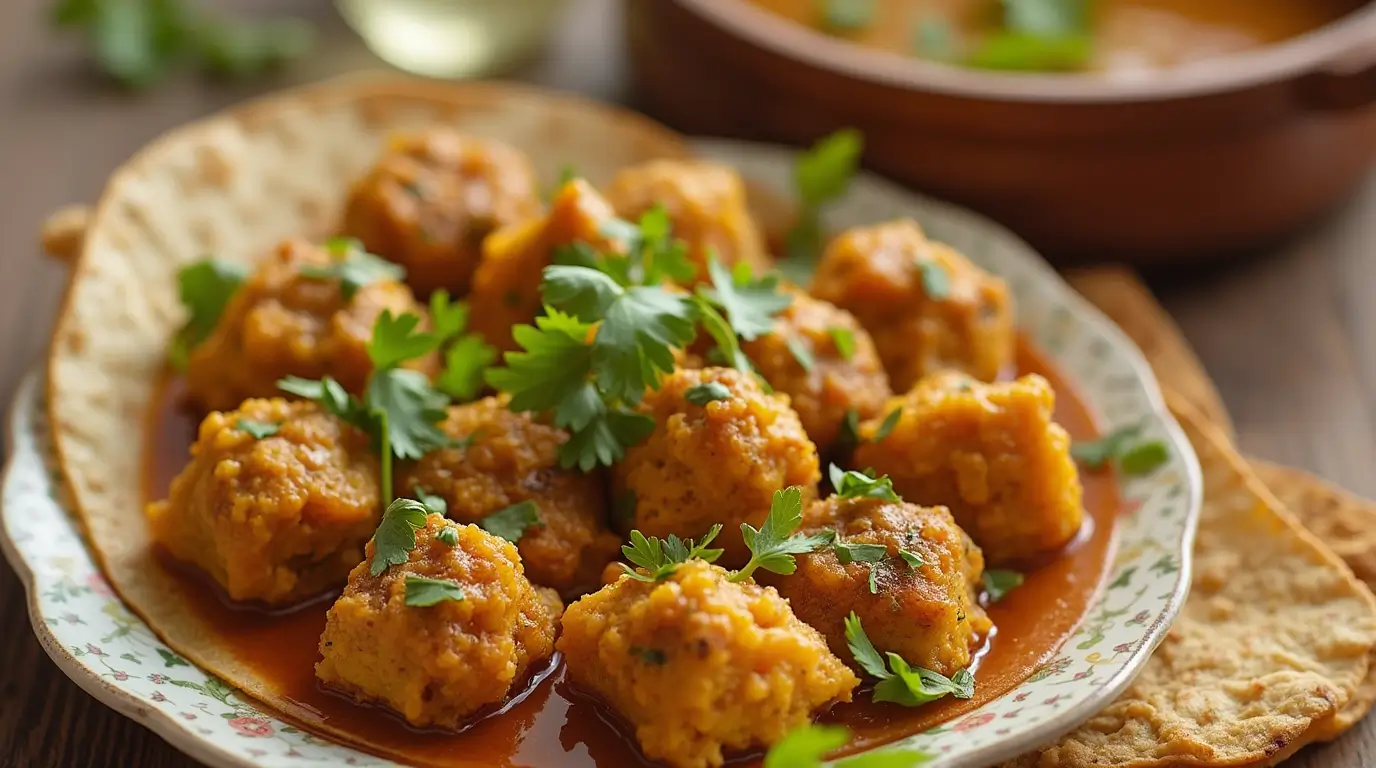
(1118,293)
(1274,641)
(233,185)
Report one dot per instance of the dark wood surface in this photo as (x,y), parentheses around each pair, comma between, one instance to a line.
(1290,335)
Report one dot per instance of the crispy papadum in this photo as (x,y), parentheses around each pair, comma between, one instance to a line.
(234,185)
(1274,641)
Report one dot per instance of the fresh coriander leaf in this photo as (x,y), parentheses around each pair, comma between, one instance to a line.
(806,747)
(554,364)
(773,546)
(205,288)
(823,173)
(511,523)
(423,593)
(1046,18)
(998,583)
(849,438)
(652,656)
(847,15)
(749,306)
(353,267)
(932,38)
(844,339)
(850,484)
(242,49)
(396,534)
(465,363)
(396,340)
(602,440)
(1013,51)
(887,425)
(706,392)
(413,409)
(803,246)
(661,557)
(874,580)
(449,536)
(859,552)
(721,332)
(333,398)
(1143,458)
(915,686)
(913,559)
(1094,454)
(448,318)
(636,340)
(800,351)
(583,292)
(435,504)
(936,281)
(258,429)
(568,172)
(863,650)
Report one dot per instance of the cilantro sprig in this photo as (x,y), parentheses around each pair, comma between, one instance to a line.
(353,267)
(1122,446)
(850,484)
(205,288)
(512,522)
(808,745)
(773,545)
(900,683)
(821,175)
(659,558)
(1038,35)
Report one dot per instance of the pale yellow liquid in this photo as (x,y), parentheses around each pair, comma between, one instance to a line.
(452,38)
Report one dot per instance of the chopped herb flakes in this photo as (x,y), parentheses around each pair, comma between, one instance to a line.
(913,559)
(887,425)
(999,583)
(1121,445)
(800,350)
(821,175)
(898,682)
(847,15)
(423,593)
(849,484)
(205,288)
(936,281)
(652,656)
(449,536)
(844,339)
(847,553)
(258,429)
(511,523)
(707,392)
(353,267)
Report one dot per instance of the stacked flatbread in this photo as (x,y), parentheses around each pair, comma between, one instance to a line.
(1273,650)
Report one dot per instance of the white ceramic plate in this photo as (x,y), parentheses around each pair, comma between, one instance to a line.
(115,657)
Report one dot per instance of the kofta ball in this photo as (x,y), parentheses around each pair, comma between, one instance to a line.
(287,320)
(275,504)
(714,461)
(505,459)
(926,306)
(706,203)
(699,665)
(506,285)
(989,452)
(474,642)
(825,362)
(917,600)
(433,197)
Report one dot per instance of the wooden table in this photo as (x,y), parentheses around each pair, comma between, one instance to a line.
(1290,336)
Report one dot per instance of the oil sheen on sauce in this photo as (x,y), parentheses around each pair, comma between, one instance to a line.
(557,725)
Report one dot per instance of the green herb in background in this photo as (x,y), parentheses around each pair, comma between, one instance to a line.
(137,42)
(821,175)
(1038,35)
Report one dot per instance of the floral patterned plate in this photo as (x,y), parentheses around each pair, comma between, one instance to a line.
(116,658)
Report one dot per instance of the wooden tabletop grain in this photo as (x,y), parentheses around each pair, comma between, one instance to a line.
(1289,335)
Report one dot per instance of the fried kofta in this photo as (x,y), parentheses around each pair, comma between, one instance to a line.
(926,306)
(504,459)
(700,665)
(917,599)
(825,362)
(989,452)
(706,203)
(291,318)
(719,461)
(454,629)
(506,285)
(433,197)
(276,503)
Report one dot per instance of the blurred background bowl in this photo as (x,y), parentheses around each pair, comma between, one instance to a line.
(1196,162)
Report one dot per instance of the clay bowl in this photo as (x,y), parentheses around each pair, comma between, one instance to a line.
(1196,162)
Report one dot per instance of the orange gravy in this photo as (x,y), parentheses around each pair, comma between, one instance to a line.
(555,724)
(1127,34)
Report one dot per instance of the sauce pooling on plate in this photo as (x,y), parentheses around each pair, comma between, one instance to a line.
(1115,36)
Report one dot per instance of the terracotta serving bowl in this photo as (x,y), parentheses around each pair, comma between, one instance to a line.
(1200,161)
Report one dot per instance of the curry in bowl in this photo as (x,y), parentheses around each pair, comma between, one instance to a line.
(1111,36)
(493,476)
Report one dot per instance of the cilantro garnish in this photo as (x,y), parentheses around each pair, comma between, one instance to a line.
(205,287)
(821,175)
(748,304)
(850,484)
(936,281)
(847,15)
(423,593)
(898,682)
(849,438)
(652,656)
(999,583)
(396,534)
(874,580)
(353,267)
(886,426)
(511,523)
(1133,457)
(728,345)
(436,504)
(844,339)
(932,37)
(258,429)
(858,553)
(465,362)
(706,392)
(913,559)
(448,535)
(332,397)
(661,557)
(800,351)
(652,255)
(808,745)
(1038,35)
(774,544)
